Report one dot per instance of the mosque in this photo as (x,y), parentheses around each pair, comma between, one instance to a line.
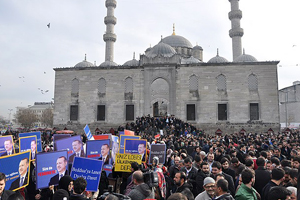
(171,78)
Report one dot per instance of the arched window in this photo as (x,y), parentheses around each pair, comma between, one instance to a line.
(252,82)
(221,83)
(193,83)
(75,87)
(128,85)
(101,86)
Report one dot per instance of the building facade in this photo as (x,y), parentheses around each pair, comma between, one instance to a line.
(170,78)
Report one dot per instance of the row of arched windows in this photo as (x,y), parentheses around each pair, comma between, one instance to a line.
(221,82)
(102,86)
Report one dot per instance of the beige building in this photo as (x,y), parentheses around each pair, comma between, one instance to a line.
(170,78)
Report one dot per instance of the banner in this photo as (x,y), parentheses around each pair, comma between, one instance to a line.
(16,167)
(6,145)
(122,141)
(48,167)
(38,139)
(123,161)
(96,148)
(28,144)
(158,150)
(135,146)
(88,133)
(128,132)
(73,145)
(115,147)
(89,169)
(58,137)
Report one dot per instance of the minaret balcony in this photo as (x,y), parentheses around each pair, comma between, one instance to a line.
(111,3)
(109,37)
(236,32)
(110,20)
(235,14)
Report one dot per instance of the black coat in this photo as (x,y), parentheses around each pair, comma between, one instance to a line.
(266,189)
(229,179)
(225,197)
(15,183)
(200,179)
(262,177)
(191,178)
(6,194)
(185,189)
(55,179)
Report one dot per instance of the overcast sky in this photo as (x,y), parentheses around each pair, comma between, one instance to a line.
(30,50)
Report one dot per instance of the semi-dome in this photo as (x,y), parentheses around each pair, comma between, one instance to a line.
(245,58)
(190,60)
(162,49)
(84,63)
(132,62)
(108,64)
(217,59)
(177,41)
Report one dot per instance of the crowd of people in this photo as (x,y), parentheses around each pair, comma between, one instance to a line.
(252,166)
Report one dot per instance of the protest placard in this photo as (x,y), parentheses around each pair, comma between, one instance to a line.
(38,138)
(115,147)
(28,144)
(48,168)
(6,145)
(158,150)
(58,137)
(89,169)
(73,145)
(95,148)
(122,141)
(136,146)
(123,161)
(16,167)
(128,132)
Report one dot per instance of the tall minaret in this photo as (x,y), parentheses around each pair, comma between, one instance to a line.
(109,37)
(236,32)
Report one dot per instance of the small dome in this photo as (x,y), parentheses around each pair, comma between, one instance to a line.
(177,41)
(162,49)
(245,58)
(148,49)
(132,62)
(218,59)
(197,47)
(190,60)
(108,64)
(84,63)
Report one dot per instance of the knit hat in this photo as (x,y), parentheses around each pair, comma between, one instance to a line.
(208,180)
(60,194)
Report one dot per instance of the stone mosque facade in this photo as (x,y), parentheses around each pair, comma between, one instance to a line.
(170,78)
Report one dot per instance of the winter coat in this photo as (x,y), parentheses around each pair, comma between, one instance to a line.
(140,192)
(226,196)
(245,193)
(186,189)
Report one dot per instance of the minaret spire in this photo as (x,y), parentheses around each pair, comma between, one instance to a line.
(110,37)
(236,32)
(173,29)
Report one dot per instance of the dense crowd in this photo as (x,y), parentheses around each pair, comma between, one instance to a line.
(258,166)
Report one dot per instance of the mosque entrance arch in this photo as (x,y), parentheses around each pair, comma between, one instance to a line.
(159,90)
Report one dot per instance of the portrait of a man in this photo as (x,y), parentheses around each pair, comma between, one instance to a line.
(142,151)
(23,175)
(33,149)
(77,149)
(8,145)
(105,154)
(61,166)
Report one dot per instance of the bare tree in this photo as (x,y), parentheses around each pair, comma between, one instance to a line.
(47,117)
(26,118)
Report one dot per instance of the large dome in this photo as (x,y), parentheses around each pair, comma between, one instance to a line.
(162,49)
(177,41)
(132,62)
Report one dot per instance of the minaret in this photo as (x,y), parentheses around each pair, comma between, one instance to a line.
(110,37)
(236,32)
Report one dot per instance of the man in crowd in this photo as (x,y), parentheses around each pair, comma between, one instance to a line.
(277,178)
(221,190)
(246,191)
(202,173)
(79,189)
(182,186)
(279,193)
(4,194)
(209,186)
(61,166)
(217,169)
(191,174)
(262,175)
(140,190)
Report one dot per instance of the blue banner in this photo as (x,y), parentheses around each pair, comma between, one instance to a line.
(6,145)
(58,137)
(89,169)
(48,167)
(38,138)
(122,141)
(135,146)
(72,145)
(88,132)
(25,143)
(16,167)
(95,150)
